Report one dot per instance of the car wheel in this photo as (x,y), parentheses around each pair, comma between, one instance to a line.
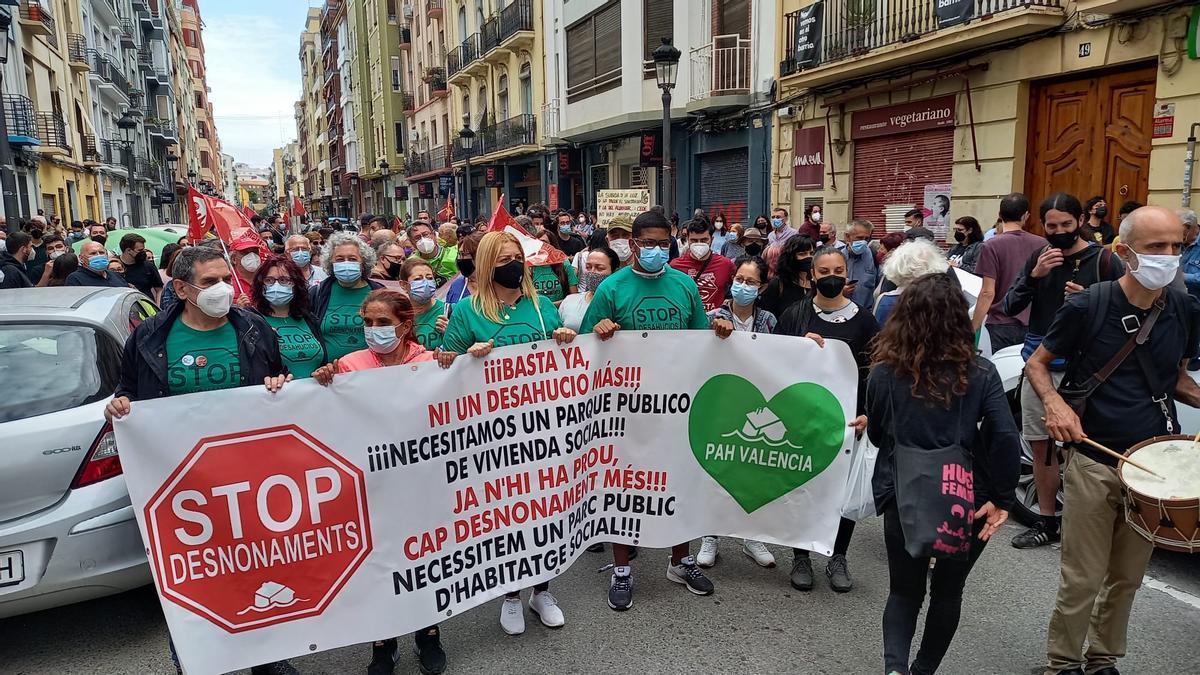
(1026,510)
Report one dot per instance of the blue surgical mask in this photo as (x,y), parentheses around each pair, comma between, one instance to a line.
(564,230)
(421,290)
(381,339)
(777,223)
(653,259)
(347,271)
(301,257)
(278,294)
(98,262)
(743,294)
(859,247)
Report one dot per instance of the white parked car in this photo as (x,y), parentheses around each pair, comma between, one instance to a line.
(67,529)
(1009,364)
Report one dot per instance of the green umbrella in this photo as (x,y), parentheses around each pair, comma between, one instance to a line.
(156,239)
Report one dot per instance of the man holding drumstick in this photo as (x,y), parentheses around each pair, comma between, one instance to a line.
(1102,557)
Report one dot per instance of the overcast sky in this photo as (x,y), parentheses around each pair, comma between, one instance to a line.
(251,49)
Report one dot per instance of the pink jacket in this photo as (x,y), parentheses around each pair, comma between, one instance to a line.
(365,359)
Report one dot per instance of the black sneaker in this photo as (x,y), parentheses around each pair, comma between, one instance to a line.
(384,656)
(802,573)
(431,658)
(689,574)
(596,548)
(1038,535)
(620,592)
(275,668)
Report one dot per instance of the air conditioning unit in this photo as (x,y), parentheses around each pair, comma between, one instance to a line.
(787,112)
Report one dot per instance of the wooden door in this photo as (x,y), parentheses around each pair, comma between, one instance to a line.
(1090,137)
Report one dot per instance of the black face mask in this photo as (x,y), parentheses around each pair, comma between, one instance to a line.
(393,270)
(466,266)
(511,274)
(1063,240)
(1101,211)
(960,237)
(823,238)
(100,239)
(804,265)
(36,234)
(831,286)
(754,249)
(139,257)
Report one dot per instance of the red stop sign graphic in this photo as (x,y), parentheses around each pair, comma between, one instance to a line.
(258,528)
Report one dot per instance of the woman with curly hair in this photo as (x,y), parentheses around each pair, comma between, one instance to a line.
(927,393)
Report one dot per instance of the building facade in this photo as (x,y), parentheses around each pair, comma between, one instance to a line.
(954,107)
(311,125)
(209,178)
(418,76)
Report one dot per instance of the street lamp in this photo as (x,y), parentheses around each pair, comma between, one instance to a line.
(466,139)
(666,68)
(128,126)
(385,170)
(172,159)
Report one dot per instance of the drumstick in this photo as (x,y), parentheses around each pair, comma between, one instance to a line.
(1119,457)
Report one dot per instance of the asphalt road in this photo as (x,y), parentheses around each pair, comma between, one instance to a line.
(754,623)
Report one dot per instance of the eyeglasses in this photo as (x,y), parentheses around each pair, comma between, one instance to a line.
(654,243)
(282,281)
(749,281)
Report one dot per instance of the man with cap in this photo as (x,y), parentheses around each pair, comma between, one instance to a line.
(245,260)
(620,231)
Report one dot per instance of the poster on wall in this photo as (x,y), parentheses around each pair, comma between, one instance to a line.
(808,35)
(808,159)
(937,208)
(954,12)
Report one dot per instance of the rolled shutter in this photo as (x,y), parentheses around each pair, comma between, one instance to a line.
(891,172)
(724,184)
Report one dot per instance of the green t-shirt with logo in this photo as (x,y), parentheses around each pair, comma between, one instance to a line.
(425,325)
(444,264)
(468,325)
(300,349)
(669,301)
(548,284)
(202,360)
(342,325)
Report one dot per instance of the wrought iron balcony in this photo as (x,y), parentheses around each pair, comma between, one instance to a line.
(21,119)
(77,51)
(53,131)
(113,152)
(35,18)
(434,8)
(516,17)
(91,150)
(490,34)
(512,132)
(405,36)
(453,62)
(128,34)
(469,50)
(407,102)
(109,72)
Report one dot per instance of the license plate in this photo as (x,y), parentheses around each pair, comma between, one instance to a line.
(12,568)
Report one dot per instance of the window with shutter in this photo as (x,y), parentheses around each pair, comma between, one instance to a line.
(735,18)
(658,21)
(594,53)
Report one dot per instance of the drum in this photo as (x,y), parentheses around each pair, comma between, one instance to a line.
(1165,510)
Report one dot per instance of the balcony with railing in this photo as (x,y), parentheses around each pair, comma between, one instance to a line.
(21,120)
(470,52)
(405,36)
(435,76)
(408,103)
(128,34)
(108,75)
(434,9)
(489,34)
(90,149)
(112,152)
(77,52)
(550,120)
(52,130)
(453,62)
(35,18)
(431,161)
(511,133)
(720,73)
(516,25)
(853,38)
(145,59)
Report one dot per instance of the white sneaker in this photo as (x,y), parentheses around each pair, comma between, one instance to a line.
(546,607)
(707,557)
(511,618)
(758,551)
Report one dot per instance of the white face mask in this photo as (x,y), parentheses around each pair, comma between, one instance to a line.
(699,251)
(54,255)
(1155,271)
(816,216)
(426,245)
(215,300)
(251,262)
(621,248)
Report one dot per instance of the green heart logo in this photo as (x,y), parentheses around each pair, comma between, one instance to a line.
(760,450)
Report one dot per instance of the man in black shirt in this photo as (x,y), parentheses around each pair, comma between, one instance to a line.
(139,271)
(1069,264)
(93,268)
(18,248)
(1103,559)
(571,243)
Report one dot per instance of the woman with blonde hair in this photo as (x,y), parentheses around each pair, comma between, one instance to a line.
(505,309)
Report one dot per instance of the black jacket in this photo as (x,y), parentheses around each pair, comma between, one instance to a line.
(1085,268)
(13,272)
(144,363)
(320,299)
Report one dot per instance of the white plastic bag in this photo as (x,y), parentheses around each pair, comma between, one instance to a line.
(860,497)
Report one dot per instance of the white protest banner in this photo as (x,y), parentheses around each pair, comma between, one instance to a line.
(613,203)
(280,525)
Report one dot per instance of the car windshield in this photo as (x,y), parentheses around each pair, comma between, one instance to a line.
(46,368)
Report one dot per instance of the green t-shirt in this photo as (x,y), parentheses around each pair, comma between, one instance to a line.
(670,301)
(547,283)
(468,325)
(444,264)
(300,349)
(425,325)
(342,325)
(202,360)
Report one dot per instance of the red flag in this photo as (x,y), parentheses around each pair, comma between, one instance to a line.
(537,252)
(207,213)
(297,207)
(248,212)
(447,211)
(287,219)
(397,226)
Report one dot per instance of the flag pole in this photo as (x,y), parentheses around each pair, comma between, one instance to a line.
(236,281)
